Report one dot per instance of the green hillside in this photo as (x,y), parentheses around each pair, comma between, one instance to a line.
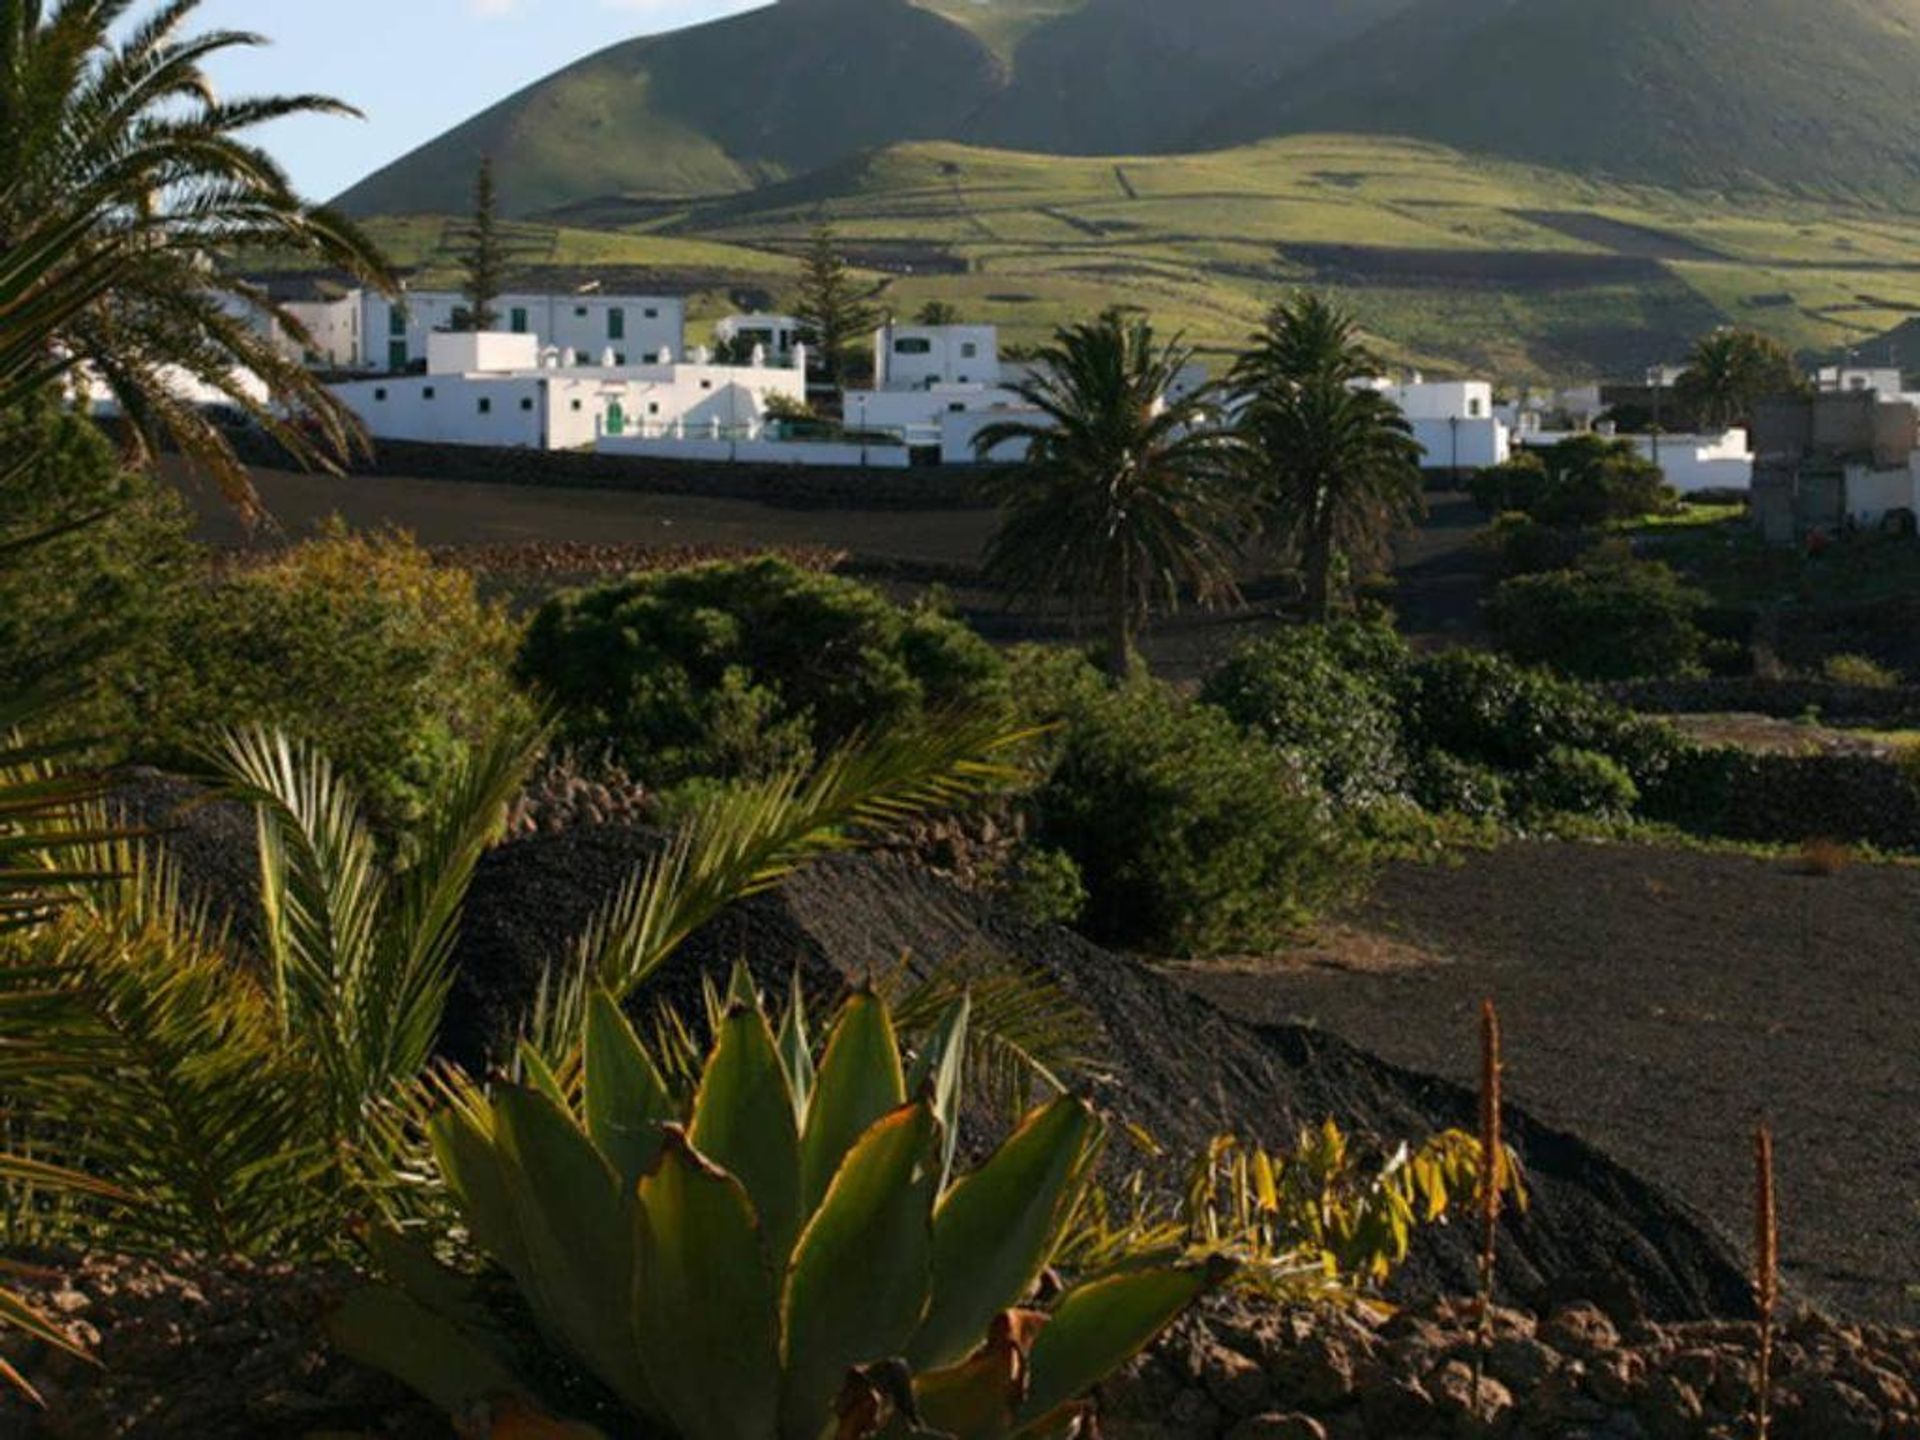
(1454,262)
(1721,95)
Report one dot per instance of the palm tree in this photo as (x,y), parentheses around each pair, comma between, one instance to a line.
(1128,498)
(123,174)
(1731,371)
(1333,460)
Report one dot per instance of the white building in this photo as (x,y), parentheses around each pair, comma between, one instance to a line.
(502,389)
(330,314)
(1692,463)
(395,333)
(919,357)
(1888,384)
(1453,421)
(777,335)
(1876,499)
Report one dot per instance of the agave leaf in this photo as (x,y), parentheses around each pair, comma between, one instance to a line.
(940,1070)
(476,1173)
(860,1080)
(743,1122)
(1100,1326)
(626,1100)
(540,1076)
(707,1301)
(992,1234)
(391,1331)
(796,1050)
(862,1270)
(578,1235)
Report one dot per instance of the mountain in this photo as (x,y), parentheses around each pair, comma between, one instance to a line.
(773,93)
(1722,94)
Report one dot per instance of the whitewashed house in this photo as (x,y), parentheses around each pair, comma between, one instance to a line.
(395,332)
(776,335)
(330,313)
(1454,421)
(502,389)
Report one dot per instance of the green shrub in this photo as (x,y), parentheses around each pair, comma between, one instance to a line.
(359,644)
(1192,836)
(1521,545)
(1045,886)
(77,602)
(1448,785)
(739,670)
(1322,695)
(1585,480)
(1572,781)
(1488,711)
(1858,671)
(1607,621)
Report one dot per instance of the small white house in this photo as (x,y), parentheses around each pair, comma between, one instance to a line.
(1453,421)
(1888,384)
(502,389)
(330,314)
(395,332)
(919,357)
(1873,497)
(1692,463)
(776,335)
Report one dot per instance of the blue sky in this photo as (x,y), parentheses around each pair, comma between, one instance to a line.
(415,67)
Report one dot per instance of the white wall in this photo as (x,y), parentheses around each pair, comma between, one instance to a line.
(957,434)
(1692,462)
(913,357)
(761,451)
(586,324)
(503,410)
(779,333)
(1462,444)
(466,353)
(1871,494)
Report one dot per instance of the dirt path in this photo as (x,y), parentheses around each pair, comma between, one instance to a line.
(1658,1003)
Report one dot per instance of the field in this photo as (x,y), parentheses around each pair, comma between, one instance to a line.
(1660,1003)
(1452,260)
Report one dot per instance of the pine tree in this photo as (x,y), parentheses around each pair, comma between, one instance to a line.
(483,255)
(833,313)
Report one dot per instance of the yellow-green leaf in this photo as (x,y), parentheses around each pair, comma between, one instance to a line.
(626,1100)
(1100,1326)
(431,1355)
(860,1080)
(860,1277)
(706,1300)
(992,1231)
(743,1122)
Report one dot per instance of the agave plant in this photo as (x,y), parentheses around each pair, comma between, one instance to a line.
(788,1252)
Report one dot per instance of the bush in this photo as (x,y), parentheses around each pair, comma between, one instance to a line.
(391,665)
(1045,886)
(1447,785)
(1192,836)
(1612,621)
(1322,694)
(1572,781)
(1521,545)
(737,670)
(73,603)
(1585,480)
(1859,672)
(1488,711)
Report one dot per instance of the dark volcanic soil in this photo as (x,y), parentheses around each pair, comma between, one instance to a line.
(1660,1002)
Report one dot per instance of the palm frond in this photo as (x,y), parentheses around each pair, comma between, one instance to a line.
(751,837)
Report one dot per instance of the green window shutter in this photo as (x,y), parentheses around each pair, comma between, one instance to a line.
(616,324)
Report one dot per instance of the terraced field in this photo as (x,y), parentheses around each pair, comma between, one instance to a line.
(1453,261)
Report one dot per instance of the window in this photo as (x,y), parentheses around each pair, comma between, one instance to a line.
(527,404)
(653,408)
(576,407)
(1473,408)
(619,357)
(956,408)
(913,345)
(396,321)
(579,312)
(380,394)
(519,320)
(427,394)
(616,323)
(486,406)
(968,350)
(651,313)
(964,380)
(706,384)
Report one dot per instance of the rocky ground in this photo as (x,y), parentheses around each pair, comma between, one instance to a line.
(195,1351)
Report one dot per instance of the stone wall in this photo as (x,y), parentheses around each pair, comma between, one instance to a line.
(917,488)
(1785,799)
(1784,699)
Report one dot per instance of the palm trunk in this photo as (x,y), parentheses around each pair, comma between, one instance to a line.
(1319,566)
(1120,623)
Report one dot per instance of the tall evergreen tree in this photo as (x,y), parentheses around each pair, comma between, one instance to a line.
(833,311)
(483,254)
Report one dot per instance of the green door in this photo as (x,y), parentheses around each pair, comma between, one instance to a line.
(396,355)
(616,419)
